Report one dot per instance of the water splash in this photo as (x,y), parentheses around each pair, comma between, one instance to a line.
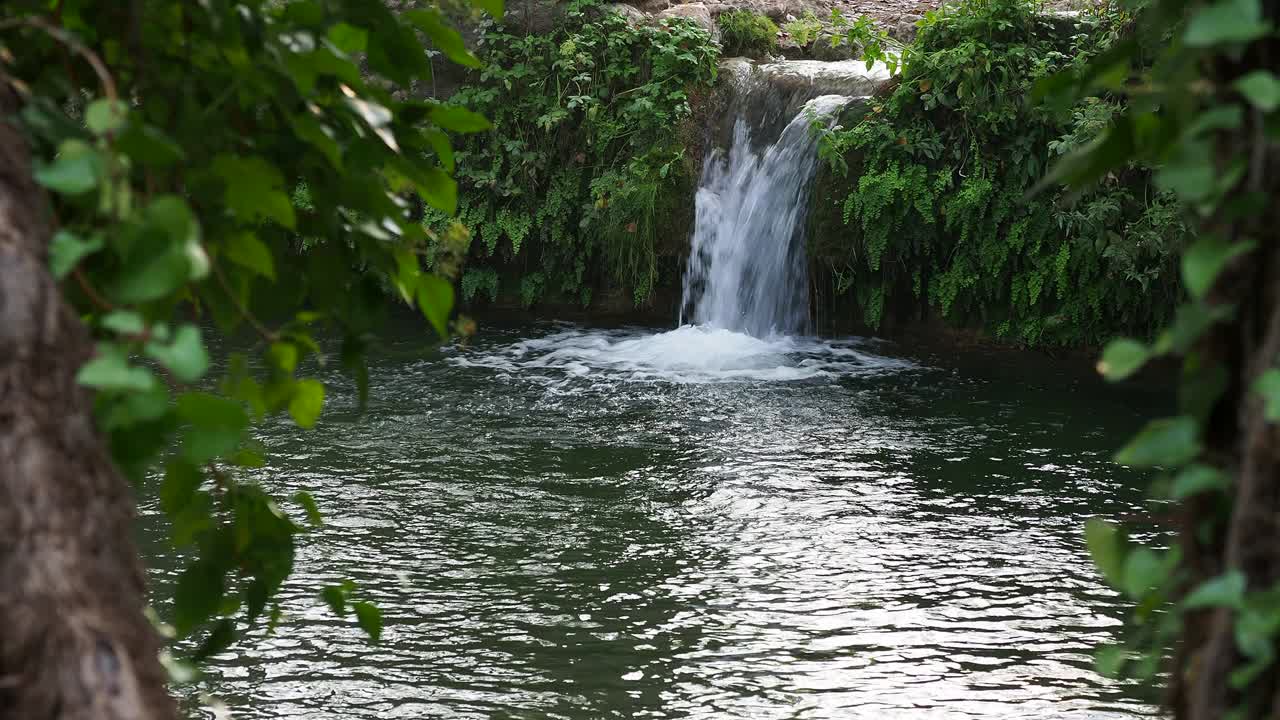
(691,354)
(747,268)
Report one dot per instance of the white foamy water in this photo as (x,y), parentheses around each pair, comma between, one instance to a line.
(688,354)
(747,267)
(746,288)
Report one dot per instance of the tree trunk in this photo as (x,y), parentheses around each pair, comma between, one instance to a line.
(1239,438)
(74,643)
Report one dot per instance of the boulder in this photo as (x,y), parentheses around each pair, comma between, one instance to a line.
(780,11)
(632,14)
(790,50)
(653,7)
(696,12)
(532,17)
(904,31)
(1066,23)
(821,48)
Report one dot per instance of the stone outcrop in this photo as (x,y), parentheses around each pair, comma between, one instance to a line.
(695,11)
(633,14)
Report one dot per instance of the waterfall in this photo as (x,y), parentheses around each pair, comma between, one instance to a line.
(747,269)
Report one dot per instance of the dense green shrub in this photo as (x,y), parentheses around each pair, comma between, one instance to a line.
(938,215)
(585,162)
(743,32)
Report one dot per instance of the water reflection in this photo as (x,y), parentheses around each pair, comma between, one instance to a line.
(563,523)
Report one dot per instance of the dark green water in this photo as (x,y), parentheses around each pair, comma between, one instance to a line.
(563,523)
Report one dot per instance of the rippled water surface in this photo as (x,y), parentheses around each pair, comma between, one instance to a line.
(570,523)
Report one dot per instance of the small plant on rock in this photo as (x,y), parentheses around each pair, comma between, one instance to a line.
(804,30)
(747,33)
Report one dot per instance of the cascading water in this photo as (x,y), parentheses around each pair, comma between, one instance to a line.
(747,269)
(746,287)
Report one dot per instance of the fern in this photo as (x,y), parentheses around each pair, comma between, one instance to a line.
(939,212)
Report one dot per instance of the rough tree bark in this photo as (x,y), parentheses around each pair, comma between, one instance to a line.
(74,643)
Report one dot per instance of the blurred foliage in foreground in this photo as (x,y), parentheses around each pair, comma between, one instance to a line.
(170,136)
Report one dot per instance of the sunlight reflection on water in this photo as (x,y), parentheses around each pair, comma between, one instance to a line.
(573,523)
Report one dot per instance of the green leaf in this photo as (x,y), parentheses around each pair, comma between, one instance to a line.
(1226,22)
(137,408)
(458,119)
(197,596)
(1205,260)
(151,277)
(308,503)
(1093,160)
(1190,323)
(377,117)
(446,38)
(348,38)
(75,171)
(180,672)
(1110,661)
(435,299)
(283,356)
(219,639)
(181,480)
(1122,358)
(1243,676)
(172,255)
(1228,117)
(1223,591)
(66,250)
(308,128)
(110,370)
(255,600)
(185,356)
(217,425)
(353,362)
(1106,547)
(438,189)
(1189,171)
(1257,624)
(370,619)
(1196,479)
(1167,442)
(493,7)
(253,189)
(336,598)
(1261,88)
(147,145)
(443,148)
(173,216)
(248,458)
(245,249)
(306,402)
(1143,571)
(104,117)
(1268,387)
(123,322)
